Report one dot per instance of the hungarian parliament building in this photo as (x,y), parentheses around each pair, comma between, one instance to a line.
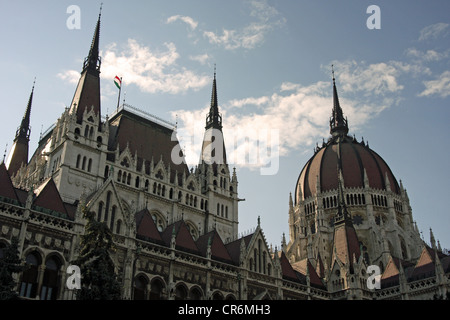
(351,230)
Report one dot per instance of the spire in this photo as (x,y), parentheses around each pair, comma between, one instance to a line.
(92,61)
(87,94)
(214,118)
(213,147)
(338,125)
(342,214)
(18,154)
(24,129)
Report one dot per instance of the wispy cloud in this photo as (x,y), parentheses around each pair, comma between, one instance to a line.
(70,76)
(266,19)
(188,20)
(202,58)
(297,112)
(439,86)
(150,70)
(433,31)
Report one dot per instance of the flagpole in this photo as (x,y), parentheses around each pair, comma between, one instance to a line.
(120,89)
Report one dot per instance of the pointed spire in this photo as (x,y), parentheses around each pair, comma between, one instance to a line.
(432,239)
(214,118)
(87,95)
(92,61)
(24,129)
(338,125)
(19,151)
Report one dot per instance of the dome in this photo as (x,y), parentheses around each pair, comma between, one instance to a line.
(361,166)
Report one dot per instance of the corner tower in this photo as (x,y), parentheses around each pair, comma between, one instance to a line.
(215,178)
(18,156)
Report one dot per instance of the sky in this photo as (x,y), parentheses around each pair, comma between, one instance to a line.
(273,67)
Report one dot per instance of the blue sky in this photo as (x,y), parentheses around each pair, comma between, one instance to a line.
(273,73)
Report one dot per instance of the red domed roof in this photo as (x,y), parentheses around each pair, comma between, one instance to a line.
(359,164)
(356,157)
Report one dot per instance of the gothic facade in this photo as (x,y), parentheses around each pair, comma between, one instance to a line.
(176,229)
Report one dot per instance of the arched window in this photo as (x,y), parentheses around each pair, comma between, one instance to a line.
(113,217)
(136,183)
(118,226)
(124,177)
(29,283)
(119,175)
(106,174)
(83,167)
(140,288)
(146,184)
(226,212)
(201,204)
(86,131)
(218,209)
(49,288)
(129,179)
(195,294)
(89,165)
(78,161)
(99,212)
(171,193)
(180,293)
(108,204)
(91,132)
(156,289)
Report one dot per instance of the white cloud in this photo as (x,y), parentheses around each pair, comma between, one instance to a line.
(188,20)
(70,76)
(298,113)
(433,31)
(152,71)
(378,78)
(427,56)
(439,86)
(248,37)
(202,58)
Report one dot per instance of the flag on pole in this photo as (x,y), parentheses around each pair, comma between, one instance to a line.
(117,82)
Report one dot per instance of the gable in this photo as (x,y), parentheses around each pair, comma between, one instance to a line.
(218,250)
(146,228)
(48,197)
(6,186)
(183,238)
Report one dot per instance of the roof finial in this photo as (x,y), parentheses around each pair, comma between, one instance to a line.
(332,71)
(100,14)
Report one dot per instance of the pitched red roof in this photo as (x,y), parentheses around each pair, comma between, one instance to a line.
(146,228)
(304,266)
(346,244)
(48,197)
(234,247)
(183,238)
(287,270)
(218,249)
(6,187)
(149,139)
